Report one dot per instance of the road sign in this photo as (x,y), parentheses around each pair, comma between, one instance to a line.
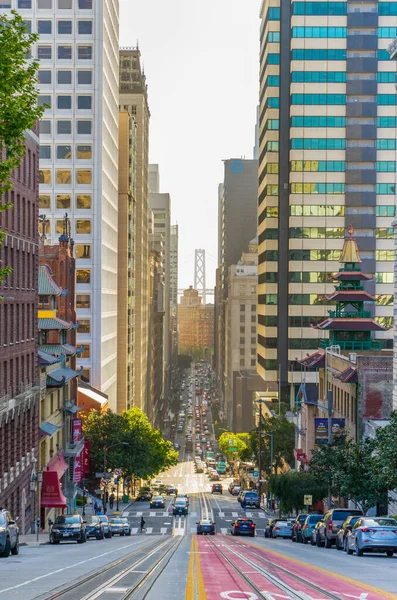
(232,449)
(255,474)
(105,482)
(307,500)
(104,475)
(117,472)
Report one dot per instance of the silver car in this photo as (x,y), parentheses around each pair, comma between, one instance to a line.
(117,526)
(373,534)
(9,535)
(282,529)
(127,526)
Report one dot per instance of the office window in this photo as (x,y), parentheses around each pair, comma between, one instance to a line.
(387,144)
(45,152)
(386,9)
(385,300)
(28,25)
(273,13)
(45,176)
(242,329)
(319,32)
(84,77)
(59,225)
(323,99)
(86,375)
(45,127)
(272,146)
(273,36)
(273,80)
(83,276)
(44,201)
(242,318)
(84,27)
(65,52)
(63,176)
(253,362)
(83,201)
(44,100)
(64,77)
(385,188)
(318,54)
(24,3)
(84,326)
(273,59)
(386,122)
(386,77)
(318,143)
(65,4)
(273,102)
(242,351)
(318,166)
(272,124)
(385,211)
(63,201)
(387,99)
(44,77)
(310,277)
(242,340)
(317,210)
(85,4)
(271,212)
(306,299)
(83,176)
(242,307)
(270,298)
(84,152)
(386,166)
(83,301)
(84,102)
(64,27)
(385,255)
(384,277)
(317,121)
(387,32)
(384,233)
(44,3)
(64,102)
(83,226)
(83,251)
(319,8)
(314,254)
(64,127)
(318,77)
(319,188)
(242,362)
(44,27)
(84,52)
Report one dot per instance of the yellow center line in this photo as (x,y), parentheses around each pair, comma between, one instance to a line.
(190,574)
(199,576)
(364,586)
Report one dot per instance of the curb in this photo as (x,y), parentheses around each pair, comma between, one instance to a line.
(33,544)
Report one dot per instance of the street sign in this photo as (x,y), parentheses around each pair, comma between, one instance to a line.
(307,500)
(233,449)
(255,474)
(104,475)
(117,472)
(104,482)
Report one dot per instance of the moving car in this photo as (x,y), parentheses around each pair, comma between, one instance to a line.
(250,499)
(205,527)
(170,489)
(235,490)
(94,528)
(180,508)
(373,534)
(243,527)
(66,528)
(117,526)
(216,488)
(157,502)
(127,526)
(332,522)
(9,535)
(307,528)
(106,526)
(183,497)
(282,529)
(297,526)
(144,495)
(341,536)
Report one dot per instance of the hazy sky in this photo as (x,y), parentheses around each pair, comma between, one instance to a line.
(201,61)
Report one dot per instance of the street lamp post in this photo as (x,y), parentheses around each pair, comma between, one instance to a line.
(105,451)
(328,397)
(261,401)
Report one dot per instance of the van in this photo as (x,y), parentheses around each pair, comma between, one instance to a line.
(250,498)
(332,522)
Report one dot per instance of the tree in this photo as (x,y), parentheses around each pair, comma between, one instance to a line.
(18,99)
(290,489)
(283,442)
(386,453)
(242,441)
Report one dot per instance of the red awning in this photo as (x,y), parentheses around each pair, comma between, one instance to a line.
(58,464)
(51,493)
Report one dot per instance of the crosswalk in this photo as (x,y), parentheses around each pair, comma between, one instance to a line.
(147,513)
(259,514)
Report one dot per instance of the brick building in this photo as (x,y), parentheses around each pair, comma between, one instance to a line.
(196,325)
(19,385)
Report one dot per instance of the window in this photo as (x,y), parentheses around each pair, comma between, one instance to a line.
(320,32)
(28,25)
(65,52)
(314,254)
(65,4)
(242,329)
(45,127)
(64,176)
(335,166)
(310,277)
(322,99)
(253,362)
(268,321)
(24,3)
(272,146)
(318,121)
(319,188)
(85,4)
(273,36)
(242,351)
(64,27)
(83,275)
(318,144)
(64,77)
(318,77)
(242,340)
(242,318)
(84,52)
(45,176)
(84,326)
(59,225)
(44,3)
(84,102)
(45,152)
(306,299)
(271,212)
(384,233)
(386,9)
(385,211)
(387,99)
(253,340)
(64,102)
(83,251)
(242,362)
(273,59)
(385,188)
(386,122)
(269,298)
(64,152)
(316,210)
(385,300)
(84,152)
(84,77)
(383,55)
(86,375)
(44,201)
(44,100)
(273,81)
(384,277)
(63,201)
(386,77)
(272,124)
(387,144)
(83,226)
(83,201)
(386,166)
(44,77)
(385,255)
(303,344)
(84,27)
(64,127)
(318,54)
(83,301)
(319,8)
(387,32)
(273,14)
(83,176)
(268,277)
(44,27)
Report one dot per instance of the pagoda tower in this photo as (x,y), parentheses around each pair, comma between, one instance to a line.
(350,326)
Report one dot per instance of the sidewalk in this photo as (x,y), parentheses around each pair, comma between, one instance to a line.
(30,539)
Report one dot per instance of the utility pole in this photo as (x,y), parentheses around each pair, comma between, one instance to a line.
(260,449)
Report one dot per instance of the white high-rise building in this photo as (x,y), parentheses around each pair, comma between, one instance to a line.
(78,51)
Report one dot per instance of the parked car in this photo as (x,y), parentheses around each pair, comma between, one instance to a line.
(180,508)
(373,534)
(341,536)
(297,526)
(127,526)
(216,488)
(205,527)
(243,527)
(157,502)
(66,528)
(250,499)
(94,528)
(282,529)
(9,535)
(307,528)
(144,497)
(269,527)
(332,522)
(106,526)
(117,526)
(313,535)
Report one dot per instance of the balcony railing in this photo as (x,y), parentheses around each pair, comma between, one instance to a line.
(352,345)
(341,314)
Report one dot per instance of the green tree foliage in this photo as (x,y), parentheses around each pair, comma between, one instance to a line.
(243,445)
(386,453)
(145,452)
(283,442)
(290,489)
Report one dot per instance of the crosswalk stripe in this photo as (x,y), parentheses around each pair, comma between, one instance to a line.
(134,530)
(139,514)
(223,530)
(249,515)
(234,514)
(149,529)
(126,513)
(163,530)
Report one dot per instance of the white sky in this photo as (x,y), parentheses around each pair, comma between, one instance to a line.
(201,60)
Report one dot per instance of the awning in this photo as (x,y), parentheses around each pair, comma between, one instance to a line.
(46,359)
(59,377)
(54,323)
(58,464)
(48,428)
(51,493)
(94,395)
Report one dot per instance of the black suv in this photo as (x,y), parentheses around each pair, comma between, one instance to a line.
(9,534)
(68,527)
(94,528)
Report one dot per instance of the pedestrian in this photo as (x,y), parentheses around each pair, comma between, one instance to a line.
(143,524)
(111,501)
(96,507)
